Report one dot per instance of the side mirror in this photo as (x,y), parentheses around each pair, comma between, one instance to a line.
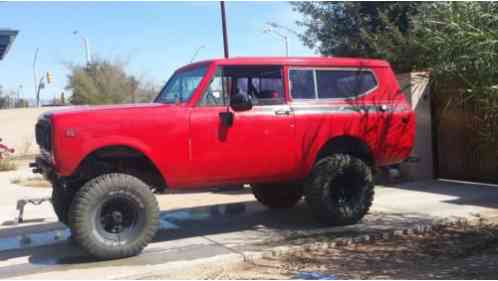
(240,102)
(226,118)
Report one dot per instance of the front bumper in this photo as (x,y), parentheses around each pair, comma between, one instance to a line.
(43,165)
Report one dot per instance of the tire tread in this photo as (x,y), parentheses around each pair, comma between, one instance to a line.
(315,186)
(91,191)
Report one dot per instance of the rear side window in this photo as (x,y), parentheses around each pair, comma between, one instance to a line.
(344,83)
(307,84)
(302,85)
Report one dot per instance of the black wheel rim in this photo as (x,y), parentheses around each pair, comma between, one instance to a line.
(346,190)
(119,219)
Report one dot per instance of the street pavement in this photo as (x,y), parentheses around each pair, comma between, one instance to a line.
(220,226)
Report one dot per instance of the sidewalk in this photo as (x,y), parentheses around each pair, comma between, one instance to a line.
(431,198)
(10,193)
(441,199)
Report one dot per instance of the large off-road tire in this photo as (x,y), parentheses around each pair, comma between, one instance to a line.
(61,201)
(340,189)
(278,196)
(114,216)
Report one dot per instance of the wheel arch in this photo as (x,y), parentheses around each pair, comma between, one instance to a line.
(348,145)
(121,157)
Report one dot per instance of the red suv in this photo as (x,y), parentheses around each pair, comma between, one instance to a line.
(289,127)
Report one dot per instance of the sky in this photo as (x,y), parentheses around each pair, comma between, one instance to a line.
(154,38)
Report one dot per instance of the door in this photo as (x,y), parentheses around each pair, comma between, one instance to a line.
(258,146)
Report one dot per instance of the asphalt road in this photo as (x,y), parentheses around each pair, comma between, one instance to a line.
(42,250)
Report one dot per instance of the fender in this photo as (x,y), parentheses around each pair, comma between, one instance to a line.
(68,160)
(312,156)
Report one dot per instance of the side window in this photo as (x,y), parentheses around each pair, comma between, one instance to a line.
(263,84)
(265,90)
(344,83)
(302,85)
(215,92)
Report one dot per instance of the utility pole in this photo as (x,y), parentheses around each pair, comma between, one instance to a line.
(282,27)
(271,29)
(224,27)
(86,45)
(40,85)
(35,78)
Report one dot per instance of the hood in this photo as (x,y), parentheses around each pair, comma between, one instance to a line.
(110,115)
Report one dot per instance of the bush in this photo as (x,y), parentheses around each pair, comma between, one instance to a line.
(7,163)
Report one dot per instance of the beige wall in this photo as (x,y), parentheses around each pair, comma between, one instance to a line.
(17,128)
(416,87)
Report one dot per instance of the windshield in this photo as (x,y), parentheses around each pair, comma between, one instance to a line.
(182,85)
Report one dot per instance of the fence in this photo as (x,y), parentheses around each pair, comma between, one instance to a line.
(461,154)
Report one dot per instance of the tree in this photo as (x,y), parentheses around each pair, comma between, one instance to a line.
(459,41)
(459,45)
(106,82)
(4,102)
(9,100)
(347,28)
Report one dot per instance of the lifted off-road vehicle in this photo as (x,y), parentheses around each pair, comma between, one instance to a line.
(289,127)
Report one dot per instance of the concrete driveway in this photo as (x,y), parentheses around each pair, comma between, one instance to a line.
(219,225)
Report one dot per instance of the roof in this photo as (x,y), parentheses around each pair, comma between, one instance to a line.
(297,61)
(7,37)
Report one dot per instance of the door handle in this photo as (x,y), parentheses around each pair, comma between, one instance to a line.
(383,108)
(282,112)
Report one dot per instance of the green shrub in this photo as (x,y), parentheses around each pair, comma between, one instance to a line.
(7,164)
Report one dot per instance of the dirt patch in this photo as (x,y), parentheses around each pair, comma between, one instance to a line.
(463,251)
(34,181)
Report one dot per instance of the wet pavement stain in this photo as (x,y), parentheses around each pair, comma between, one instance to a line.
(169,220)
(53,251)
(204,213)
(33,240)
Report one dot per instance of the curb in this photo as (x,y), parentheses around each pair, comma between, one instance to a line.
(251,256)
(347,241)
(360,239)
